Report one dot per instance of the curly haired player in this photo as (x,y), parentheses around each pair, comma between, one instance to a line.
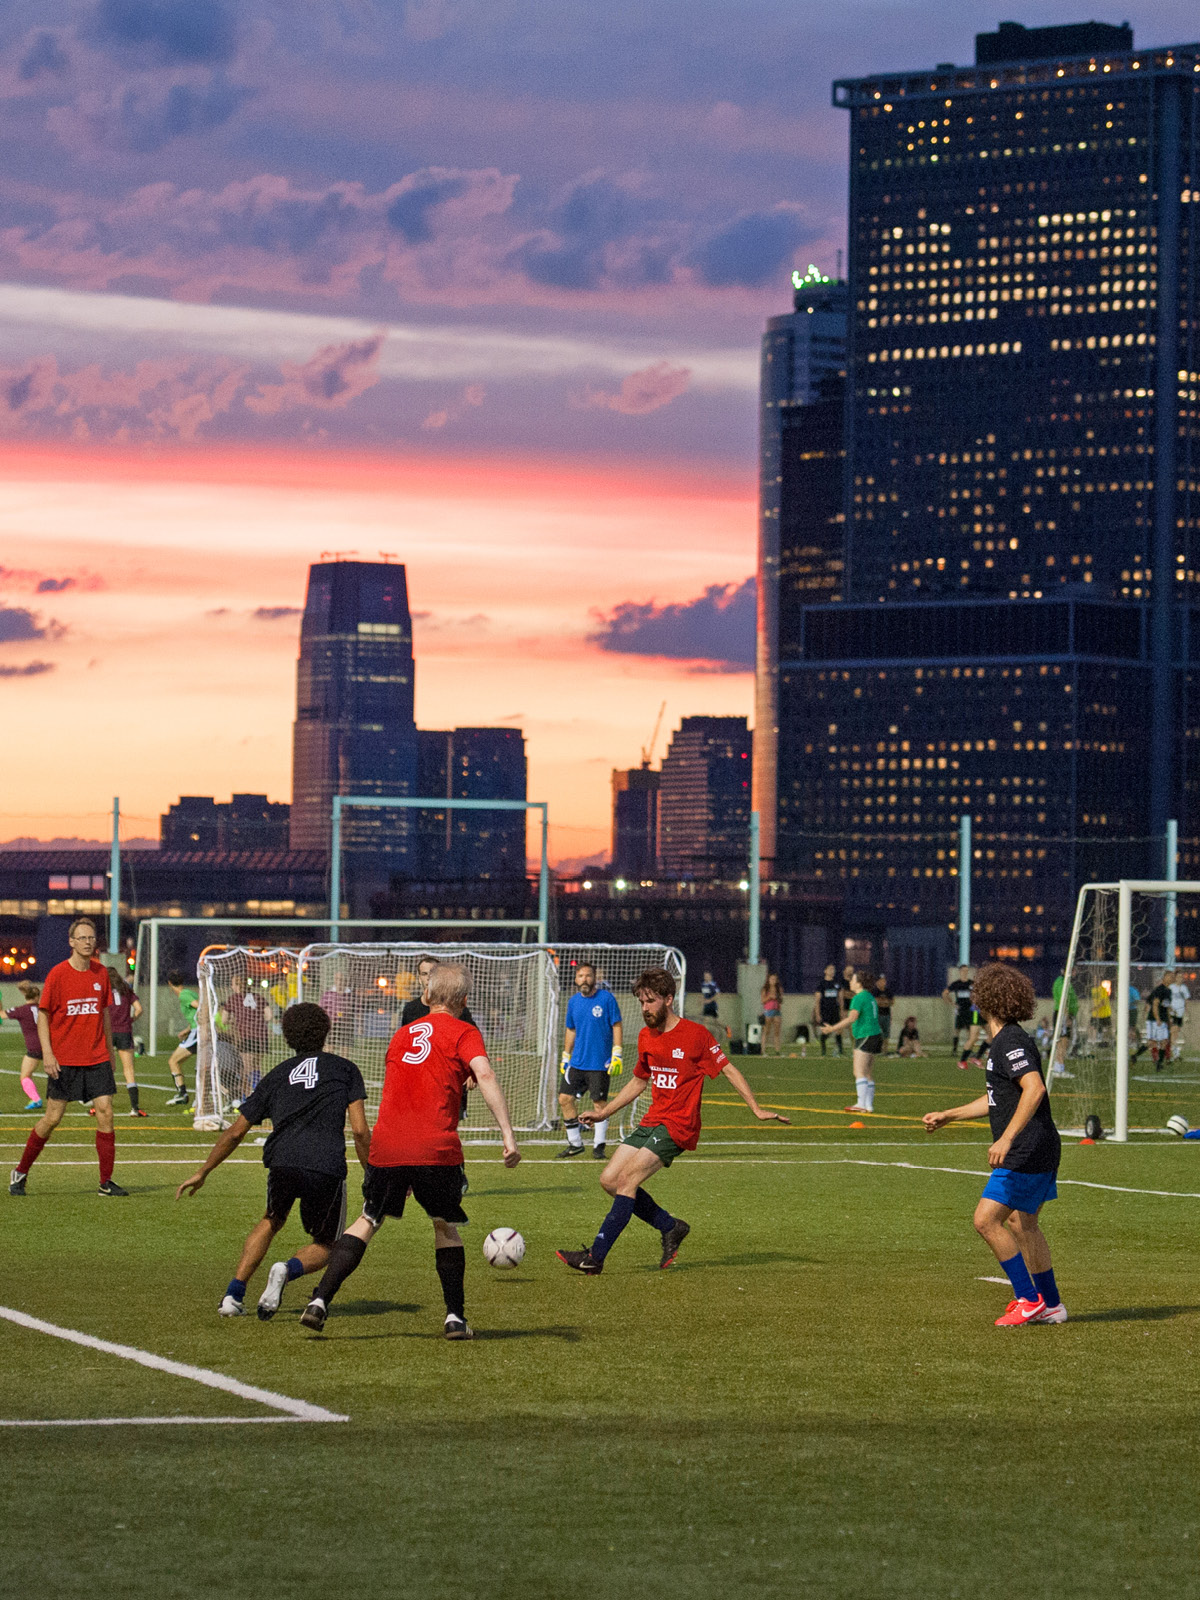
(674,1056)
(1025,1148)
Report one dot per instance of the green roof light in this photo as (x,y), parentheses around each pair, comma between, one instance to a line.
(808,279)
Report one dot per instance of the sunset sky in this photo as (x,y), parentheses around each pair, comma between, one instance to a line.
(476,282)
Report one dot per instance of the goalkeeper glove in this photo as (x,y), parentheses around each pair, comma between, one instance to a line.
(616,1065)
(565,1062)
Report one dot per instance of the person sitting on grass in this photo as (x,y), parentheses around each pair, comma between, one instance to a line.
(909,1042)
(308,1099)
(862,1019)
(1025,1149)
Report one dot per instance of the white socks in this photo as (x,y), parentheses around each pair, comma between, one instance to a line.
(601,1129)
(866,1093)
(574,1137)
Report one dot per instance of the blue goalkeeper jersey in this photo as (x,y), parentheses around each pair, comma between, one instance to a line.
(593,1018)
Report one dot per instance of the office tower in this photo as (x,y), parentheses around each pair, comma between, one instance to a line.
(246,822)
(800,533)
(1020,437)
(635,821)
(354,731)
(704,799)
(472,764)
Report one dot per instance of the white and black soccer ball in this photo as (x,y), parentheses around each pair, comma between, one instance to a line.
(1177,1125)
(503,1248)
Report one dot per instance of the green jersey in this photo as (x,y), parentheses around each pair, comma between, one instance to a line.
(189,1004)
(866,1016)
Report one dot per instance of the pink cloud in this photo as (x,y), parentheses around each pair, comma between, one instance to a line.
(333,377)
(642,392)
(473,395)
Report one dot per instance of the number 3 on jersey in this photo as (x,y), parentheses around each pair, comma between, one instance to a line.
(305,1072)
(421,1034)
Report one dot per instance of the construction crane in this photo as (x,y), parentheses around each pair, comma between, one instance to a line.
(648,750)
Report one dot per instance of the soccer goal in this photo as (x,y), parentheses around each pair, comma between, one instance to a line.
(1108,1058)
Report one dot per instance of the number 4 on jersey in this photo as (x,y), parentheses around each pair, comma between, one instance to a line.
(305,1072)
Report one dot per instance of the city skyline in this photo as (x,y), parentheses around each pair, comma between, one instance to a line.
(511,338)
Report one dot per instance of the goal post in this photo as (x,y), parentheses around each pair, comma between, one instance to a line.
(1125,937)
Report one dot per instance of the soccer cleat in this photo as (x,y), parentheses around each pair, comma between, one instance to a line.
(571,1150)
(1056,1313)
(16,1183)
(35,1105)
(456,1328)
(179,1099)
(314,1314)
(598,1152)
(269,1299)
(230,1307)
(136,1111)
(581,1261)
(1020,1312)
(859,1111)
(672,1239)
(112,1191)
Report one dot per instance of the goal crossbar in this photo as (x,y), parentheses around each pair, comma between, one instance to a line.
(1124,889)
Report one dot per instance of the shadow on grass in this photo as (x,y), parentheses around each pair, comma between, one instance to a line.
(749,1258)
(374,1308)
(513,1191)
(568,1335)
(1136,1314)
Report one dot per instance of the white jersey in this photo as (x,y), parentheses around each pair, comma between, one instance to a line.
(1180,995)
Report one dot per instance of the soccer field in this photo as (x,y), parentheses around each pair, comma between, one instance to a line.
(813,1399)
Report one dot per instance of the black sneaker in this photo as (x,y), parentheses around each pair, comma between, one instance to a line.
(598,1152)
(672,1239)
(16,1183)
(179,1099)
(571,1150)
(313,1316)
(113,1191)
(456,1328)
(581,1261)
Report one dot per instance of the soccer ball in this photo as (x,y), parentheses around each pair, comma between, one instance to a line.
(504,1247)
(1177,1125)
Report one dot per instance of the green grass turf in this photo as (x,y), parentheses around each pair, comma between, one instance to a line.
(813,1399)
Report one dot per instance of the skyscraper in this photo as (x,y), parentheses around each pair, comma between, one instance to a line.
(704,798)
(472,764)
(354,731)
(635,820)
(1020,436)
(800,534)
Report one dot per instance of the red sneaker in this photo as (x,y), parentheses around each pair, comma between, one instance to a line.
(1019,1312)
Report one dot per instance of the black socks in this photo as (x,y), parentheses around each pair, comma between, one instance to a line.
(452,1270)
(343,1258)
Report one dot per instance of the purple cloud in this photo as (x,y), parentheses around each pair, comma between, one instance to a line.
(31,669)
(170,32)
(17,626)
(270,613)
(333,377)
(716,627)
(56,585)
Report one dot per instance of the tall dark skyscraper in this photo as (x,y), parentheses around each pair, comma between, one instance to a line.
(472,764)
(354,731)
(1020,437)
(801,533)
(635,820)
(704,798)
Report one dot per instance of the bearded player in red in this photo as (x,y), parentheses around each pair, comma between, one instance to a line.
(75,1028)
(415,1148)
(675,1056)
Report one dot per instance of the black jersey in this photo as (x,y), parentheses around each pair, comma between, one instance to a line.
(831,1000)
(960,992)
(1012,1055)
(305,1098)
(1160,1002)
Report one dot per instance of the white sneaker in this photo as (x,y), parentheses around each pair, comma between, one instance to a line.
(230,1307)
(1056,1313)
(268,1301)
(456,1328)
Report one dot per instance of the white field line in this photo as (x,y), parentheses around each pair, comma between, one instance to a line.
(297,1410)
(920,1166)
(141,1083)
(134,1422)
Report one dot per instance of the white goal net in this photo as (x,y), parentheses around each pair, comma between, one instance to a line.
(519,995)
(1124,1043)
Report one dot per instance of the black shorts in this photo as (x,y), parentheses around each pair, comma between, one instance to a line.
(81,1083)
(830,1015)
(578,1082)
(873,1044)
(437,1190)
(322,1200)
(709,1009)
(962,1019)
(122,1041)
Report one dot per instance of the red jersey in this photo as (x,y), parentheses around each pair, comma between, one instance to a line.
(428,1064)
(75,1003)
(676,1064)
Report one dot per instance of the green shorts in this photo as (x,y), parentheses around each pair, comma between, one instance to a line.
(657,1140)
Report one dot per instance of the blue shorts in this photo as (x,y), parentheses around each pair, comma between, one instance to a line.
(1023,1191)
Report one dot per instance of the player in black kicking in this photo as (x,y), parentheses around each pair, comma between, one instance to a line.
(308,1099)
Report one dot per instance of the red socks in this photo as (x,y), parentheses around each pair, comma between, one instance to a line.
(106,1154)
(33,1149)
